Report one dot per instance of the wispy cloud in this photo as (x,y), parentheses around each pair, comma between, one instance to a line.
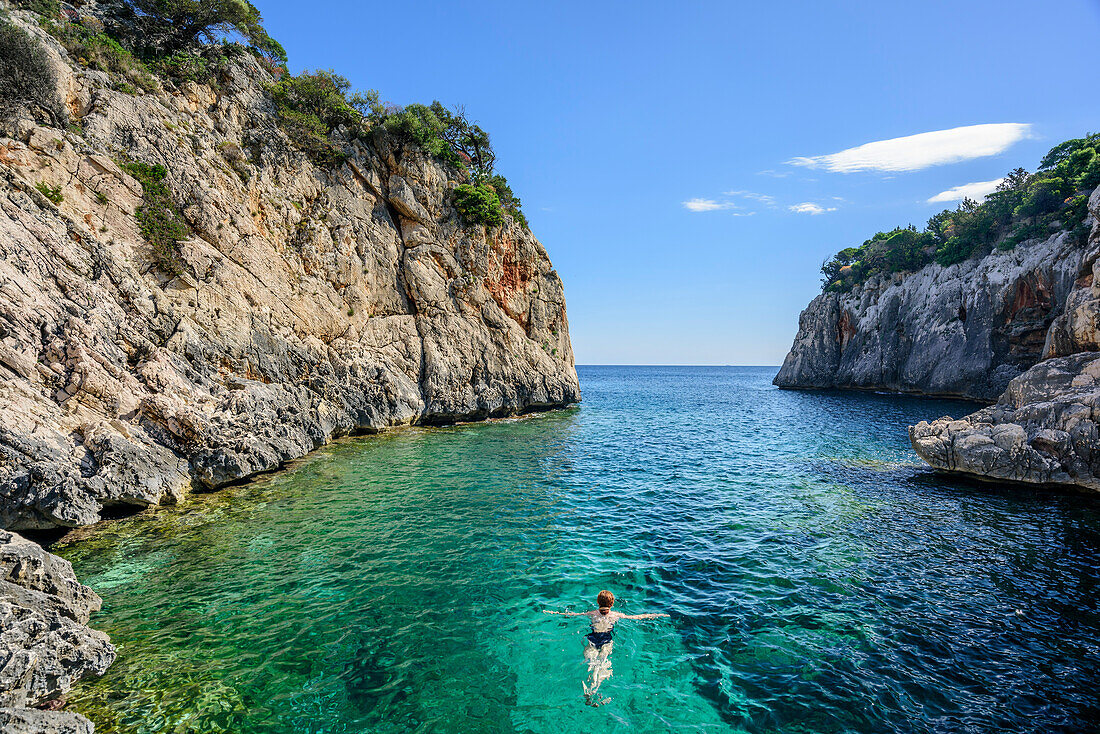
(976,191)
(707,205)
(914,152)
(764,199)
(808,207)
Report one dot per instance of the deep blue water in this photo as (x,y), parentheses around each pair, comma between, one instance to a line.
(819,578)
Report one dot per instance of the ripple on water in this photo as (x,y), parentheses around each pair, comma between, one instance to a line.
(819,579)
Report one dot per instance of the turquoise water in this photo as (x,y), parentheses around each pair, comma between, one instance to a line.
(819,578)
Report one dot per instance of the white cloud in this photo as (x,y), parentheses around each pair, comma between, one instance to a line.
(914,152)
(707,205)
(976,191)
(764,199)
(808,207)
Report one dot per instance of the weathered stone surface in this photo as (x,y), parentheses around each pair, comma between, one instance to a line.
(1077,328)
(45,646)
(26,564)
(1043,430)
(36,721)
(314,302)
(965,330)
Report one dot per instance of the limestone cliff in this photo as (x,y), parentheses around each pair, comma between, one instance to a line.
(312,302)
(1020,329)
(1045,428)
(964,330)
(44,644)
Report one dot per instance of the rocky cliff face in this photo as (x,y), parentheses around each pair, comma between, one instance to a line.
(307,303)
(312,303)
(1045,427)
(45,646)
(1021,328)
(964,330)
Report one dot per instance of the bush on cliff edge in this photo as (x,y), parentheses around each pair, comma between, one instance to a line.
(27,79)
(1025,206)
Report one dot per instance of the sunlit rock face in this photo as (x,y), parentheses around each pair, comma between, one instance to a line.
(312,303)
(1043,430)
(964,330)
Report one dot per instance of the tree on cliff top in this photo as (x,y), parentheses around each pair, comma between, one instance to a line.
(167,26)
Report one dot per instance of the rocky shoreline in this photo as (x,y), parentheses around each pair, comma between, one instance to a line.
(1042,431)
(45,643)
(306,302)
(1017,329)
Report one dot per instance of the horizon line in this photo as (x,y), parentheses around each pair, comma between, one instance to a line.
(623,364)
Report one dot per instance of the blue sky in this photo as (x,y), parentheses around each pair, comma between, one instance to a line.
(608,117)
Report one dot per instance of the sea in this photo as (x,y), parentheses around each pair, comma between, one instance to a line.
(818,577)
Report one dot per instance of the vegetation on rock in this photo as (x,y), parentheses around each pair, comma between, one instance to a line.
(93,48)
(158,217)
(1025,206)
(26,77)
(192,40)
(158,28)
(53,193)
(478,204)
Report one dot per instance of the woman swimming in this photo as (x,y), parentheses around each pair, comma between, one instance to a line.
(597,650)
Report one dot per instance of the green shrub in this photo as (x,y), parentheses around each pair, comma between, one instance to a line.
(313,104)
(186,66)
(508,200)
(419,125)
(158,218)
(27,78)
(1024,207)
(1023,233)
(321,93)
(478,204)
(96,50)
(311,136)
(1089,178)
(1043,195)
(53,193)
(45,8)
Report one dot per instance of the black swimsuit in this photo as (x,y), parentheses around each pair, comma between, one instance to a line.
(599,639)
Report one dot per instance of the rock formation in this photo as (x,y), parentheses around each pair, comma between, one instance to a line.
(307,302)
(1044,427)
(45,646)
(312,303)
(1020,327)
(963,331)
(1043,430)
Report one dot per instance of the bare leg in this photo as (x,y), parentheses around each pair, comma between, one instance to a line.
(599,670)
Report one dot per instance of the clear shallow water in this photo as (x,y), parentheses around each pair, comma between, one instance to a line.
(818,577)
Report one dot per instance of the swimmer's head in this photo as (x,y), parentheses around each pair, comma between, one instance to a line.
(604,600)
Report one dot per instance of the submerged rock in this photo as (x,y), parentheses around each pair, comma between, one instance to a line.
(45,646)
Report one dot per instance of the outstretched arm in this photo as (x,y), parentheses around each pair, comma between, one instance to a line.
(566,614)
(643,616)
